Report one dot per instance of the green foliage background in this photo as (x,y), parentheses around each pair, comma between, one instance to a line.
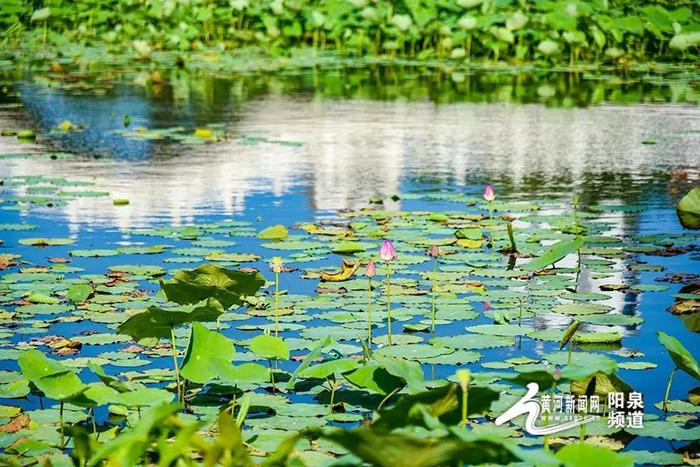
(517,30)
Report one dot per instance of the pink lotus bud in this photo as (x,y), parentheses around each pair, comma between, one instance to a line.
(387,252)
(371,270)
(434,251)
(489,195)
(487,305)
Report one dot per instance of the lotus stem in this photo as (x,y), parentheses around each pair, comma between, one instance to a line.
(369,316)
(491,225)
(332,386)
(60,421)
(233,405)
(571,347)
(513,246)
(388,396)
(175,364)
(434,290)
(277,302)
(465,399)
(464,377)
(388,300)
(582,433)
(272,376)
(92,417)
(668,390)
(520,311)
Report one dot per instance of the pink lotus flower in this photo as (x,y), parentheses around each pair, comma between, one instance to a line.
(387,252)
(489,195)
(487,305)
(434,251)
(371,270)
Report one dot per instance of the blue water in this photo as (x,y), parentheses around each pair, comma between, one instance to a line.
(344,151)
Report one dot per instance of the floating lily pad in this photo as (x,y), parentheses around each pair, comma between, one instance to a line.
(472,341)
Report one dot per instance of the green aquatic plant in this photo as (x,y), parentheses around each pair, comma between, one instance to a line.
(370,272)
(204,293)
(570,338)
(378,400)
(688,209)
(681,357)
(158,323)
(271,348)
(277,268)
(557,32)
(464,377)
(388,253)
(229,287)
(511,237)
(204,346)
(435,253)
(53,379)
(556,253)
(489,196)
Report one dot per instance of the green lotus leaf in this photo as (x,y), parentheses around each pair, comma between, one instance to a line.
(211,281)
(585,455)
(600,384)
(143,397)
(683,359)
(472,341)
(556,253)
(668,430)
(347,248)
(688,209)
(157,322)
(375,378)
(417,352)
(678,406)
(239,374)
(581,308)
(204,345)
(407,370)
(326,369)
(506,330)
(611,319)
(269,347)
(93,253)
(79,293)
(382,448)
(130,446)
(46,241)
(108,380)
(444,403)
(50,377)
(655,457)
(275,232)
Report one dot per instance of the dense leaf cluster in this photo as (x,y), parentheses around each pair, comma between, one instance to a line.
(517,30)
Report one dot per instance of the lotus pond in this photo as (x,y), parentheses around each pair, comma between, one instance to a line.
(297,269)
